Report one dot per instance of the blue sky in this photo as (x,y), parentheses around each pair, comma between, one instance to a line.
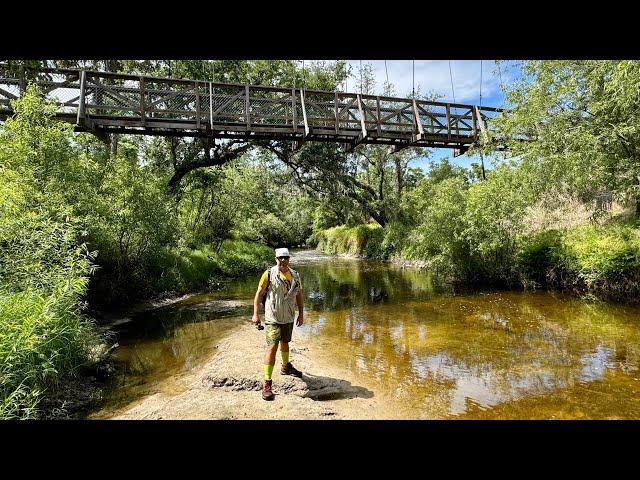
(434,75)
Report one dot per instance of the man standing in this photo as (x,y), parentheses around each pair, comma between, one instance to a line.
(282,286)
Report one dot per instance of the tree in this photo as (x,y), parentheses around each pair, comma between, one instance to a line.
(187,155)
(372,176)
(582,116)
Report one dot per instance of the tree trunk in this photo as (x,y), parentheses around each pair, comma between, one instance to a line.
(399,177)
(113,145)
(638,198)
(380,217)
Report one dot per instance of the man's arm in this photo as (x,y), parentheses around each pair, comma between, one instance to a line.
(256,304)
(300,319)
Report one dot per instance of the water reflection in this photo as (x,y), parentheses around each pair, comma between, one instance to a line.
(479,351)
(435,353)
(473,352)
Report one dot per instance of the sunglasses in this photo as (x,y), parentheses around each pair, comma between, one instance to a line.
(283,258)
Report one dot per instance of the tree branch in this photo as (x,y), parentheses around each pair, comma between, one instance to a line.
(220,157)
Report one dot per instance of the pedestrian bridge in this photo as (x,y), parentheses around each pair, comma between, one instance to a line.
(102,102)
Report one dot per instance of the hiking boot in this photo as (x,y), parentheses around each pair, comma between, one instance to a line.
(267,394)
(289,369)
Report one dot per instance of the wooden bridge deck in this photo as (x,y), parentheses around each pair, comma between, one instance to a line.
(115,103)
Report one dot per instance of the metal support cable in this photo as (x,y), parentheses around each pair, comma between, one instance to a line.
(480,82)
(501,82)
(453,92)
(413,80)
(386,71)
(360,77)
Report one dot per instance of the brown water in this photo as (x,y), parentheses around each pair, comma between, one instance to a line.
(488,355)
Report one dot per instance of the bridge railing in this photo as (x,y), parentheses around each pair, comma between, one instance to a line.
(142,104)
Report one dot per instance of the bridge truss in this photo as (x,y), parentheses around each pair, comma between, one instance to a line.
(102,102)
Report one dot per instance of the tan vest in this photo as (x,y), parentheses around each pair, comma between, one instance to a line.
(281,306)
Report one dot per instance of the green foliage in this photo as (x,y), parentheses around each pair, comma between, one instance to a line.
(327,214)
(602,255)
(42,338)
(582,115)
(601,260)
(43,269)
(269,229)
(443,170)
(396,238)
(493,219)
(129,216)
(262,204)
(538,256)
(185,270)
(438,235)
(374,244)
(362,240)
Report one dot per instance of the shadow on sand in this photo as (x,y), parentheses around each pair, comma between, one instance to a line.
(327,388)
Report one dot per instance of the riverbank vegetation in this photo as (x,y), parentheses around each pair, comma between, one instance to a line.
(560,211)
(88,224)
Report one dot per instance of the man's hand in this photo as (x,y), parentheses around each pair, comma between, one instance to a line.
(300,320)
(256,319)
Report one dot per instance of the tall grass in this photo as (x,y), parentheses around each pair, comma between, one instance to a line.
(362,240)
(43,334)
(184,270)
(178,270)
(600,260)
(42,339)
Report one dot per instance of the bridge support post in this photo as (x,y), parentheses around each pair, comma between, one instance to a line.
(483,126)
(416,117)
(363,128)
(142,109)
(293,111)
(198,113)
(335,111)
(81,102)
(247,107)
(304,114)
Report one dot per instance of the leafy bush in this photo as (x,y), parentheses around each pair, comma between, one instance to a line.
(602,256)
(538,255)
(440,224)
(395,238)
(43,268)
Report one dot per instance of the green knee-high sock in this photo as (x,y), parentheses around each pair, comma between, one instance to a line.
(268,371)
(285,357)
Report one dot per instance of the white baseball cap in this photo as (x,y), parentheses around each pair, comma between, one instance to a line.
(282,252)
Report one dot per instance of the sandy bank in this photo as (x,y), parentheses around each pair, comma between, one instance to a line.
(228,386)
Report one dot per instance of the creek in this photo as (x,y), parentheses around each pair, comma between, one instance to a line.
(436,353)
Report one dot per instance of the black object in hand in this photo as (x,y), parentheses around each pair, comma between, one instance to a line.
(259,326)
